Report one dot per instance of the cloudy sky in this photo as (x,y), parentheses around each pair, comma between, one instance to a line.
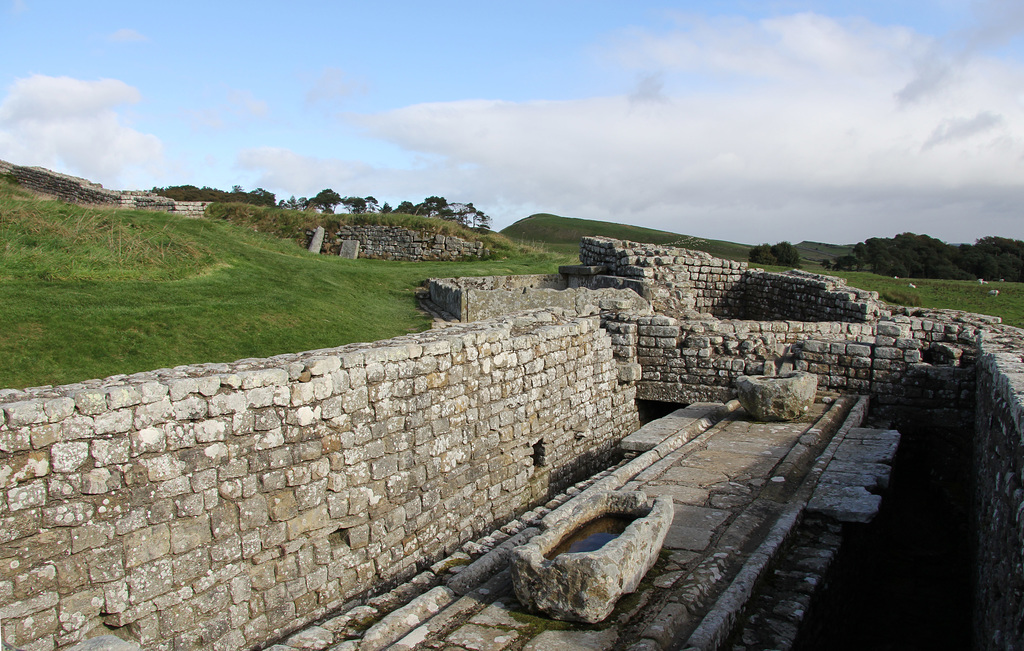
(739,120)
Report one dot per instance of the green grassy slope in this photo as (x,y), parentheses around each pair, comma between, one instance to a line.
(818,251)
(563,234)
(88,293)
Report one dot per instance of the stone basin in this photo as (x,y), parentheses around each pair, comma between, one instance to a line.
(584,586)
(777,397)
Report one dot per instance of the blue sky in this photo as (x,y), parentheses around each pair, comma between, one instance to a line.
(744,121)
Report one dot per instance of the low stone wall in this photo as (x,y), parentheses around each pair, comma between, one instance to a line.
(486,297)
(802,296)
(225,505)
(998,500)
(397,243)
(73,189)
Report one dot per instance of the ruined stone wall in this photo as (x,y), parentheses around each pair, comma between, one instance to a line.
(397,243)
(683,282)
(801,296)
(998,499)
(698,360)
(486,297)
(73,189)
(224,505)
(906,362)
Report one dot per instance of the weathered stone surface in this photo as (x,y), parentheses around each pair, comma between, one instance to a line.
(105,643)
(317,242)
(771,398)
(585,586)
(349,249)
(574,641)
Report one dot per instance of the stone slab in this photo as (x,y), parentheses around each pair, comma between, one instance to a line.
(574,641)
(731,464)
(317,242)
(693,527)
(680,494)
(845,503)
(481,638)
(693,476)
(349,249)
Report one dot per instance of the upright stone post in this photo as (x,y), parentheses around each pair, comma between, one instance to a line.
(317,241)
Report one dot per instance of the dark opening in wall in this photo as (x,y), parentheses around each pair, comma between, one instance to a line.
(649,410)
(338,537)
(539,455)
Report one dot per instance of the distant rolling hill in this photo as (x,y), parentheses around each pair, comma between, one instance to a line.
(818,251)
(562,234)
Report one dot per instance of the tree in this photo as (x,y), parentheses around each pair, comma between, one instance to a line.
(762,254)
(325,201)
(292,203)
(386,208)
(434,207)
(355,205)
(786,254)
(406,208)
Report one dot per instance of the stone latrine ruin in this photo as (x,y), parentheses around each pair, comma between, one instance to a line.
(715,320)
(227,505)
(73,189)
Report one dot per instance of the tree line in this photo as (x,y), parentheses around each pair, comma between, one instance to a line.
(327,201)
(909,255)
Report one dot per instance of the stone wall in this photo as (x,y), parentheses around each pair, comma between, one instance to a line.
(921,363)
(397,243)
(73,189)
(224,505)
(486,297)
(682,281)
(685,283)
(998,501)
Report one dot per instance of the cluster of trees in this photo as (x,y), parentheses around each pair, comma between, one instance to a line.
(919,256)
(781,253)
(257,197)
(327,200)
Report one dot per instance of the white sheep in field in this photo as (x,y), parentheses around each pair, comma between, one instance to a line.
(982,281)
(912,286)
(993,292)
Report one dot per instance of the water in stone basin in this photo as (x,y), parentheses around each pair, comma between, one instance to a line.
(592,535)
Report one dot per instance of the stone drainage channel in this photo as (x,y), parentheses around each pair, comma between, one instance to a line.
(740,490)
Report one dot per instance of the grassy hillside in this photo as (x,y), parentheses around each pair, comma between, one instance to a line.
(818,251)
(88,293)
(563,234)
(964,295)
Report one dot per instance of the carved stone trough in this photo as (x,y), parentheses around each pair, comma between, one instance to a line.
(777,397)
(584,586)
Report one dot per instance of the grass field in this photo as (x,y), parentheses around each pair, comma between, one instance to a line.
(563,234)
(89,293)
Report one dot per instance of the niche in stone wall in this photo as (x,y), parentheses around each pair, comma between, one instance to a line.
(539,454)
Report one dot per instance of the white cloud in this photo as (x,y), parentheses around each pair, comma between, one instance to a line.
(18,7)
(64,122)
(797,127)
(127,36)
(235,109)
(332,86)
